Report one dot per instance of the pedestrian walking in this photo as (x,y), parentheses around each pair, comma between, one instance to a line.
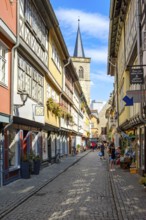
(93,146)
(102,148)
(112,156)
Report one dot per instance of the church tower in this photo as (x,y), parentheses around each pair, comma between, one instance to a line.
(82,65)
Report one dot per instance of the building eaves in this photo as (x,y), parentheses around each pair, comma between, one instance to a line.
(51,21)
(47,13)
(72,71)
(118,10)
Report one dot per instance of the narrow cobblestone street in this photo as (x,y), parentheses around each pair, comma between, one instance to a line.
(82,192)
(87,190)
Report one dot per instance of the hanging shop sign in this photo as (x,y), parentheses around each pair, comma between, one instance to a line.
(137,95)
(136,76)
(39,111)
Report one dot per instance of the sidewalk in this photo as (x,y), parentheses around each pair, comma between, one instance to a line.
(130,196)
(18,191)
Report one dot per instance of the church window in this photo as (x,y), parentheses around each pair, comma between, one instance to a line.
(81,72)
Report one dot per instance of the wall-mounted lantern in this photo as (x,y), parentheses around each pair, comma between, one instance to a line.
(23,96)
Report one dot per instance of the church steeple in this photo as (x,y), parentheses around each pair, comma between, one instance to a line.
(79,51)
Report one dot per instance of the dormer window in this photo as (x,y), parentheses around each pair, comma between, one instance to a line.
(81,72)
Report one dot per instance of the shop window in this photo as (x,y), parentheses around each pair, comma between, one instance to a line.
(34,143)
(13,149)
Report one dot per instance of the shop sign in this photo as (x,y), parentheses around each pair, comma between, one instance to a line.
(39,110)
(136,76)
(137,95)
(25,127)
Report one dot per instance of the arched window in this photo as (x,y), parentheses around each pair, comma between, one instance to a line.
(81,72)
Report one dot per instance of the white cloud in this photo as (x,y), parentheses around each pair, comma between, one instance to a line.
(98,55)
(101,77)
(92,24)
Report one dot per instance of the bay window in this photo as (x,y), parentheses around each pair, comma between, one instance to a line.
(30,80)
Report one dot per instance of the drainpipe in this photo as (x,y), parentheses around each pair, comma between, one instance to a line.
(63,84)
(12,82)
(12,69)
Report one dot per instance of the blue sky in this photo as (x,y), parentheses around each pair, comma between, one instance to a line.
(94,26)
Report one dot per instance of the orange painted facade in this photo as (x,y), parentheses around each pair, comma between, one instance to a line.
(8,19)
(8,14)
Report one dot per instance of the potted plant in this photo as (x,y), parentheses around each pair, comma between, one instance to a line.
(78,148)
(57,110)
(69,117)
(50,104)
(83,106)
(36,164)
(25,167)
(143,180)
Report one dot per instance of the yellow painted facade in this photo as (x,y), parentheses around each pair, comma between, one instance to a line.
(55,66)
(94,127)
(123,81)
(50,118)
(124,110)
(56,62)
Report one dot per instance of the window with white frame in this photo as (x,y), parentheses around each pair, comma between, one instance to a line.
(51,93)
(34,31)
(3,64)
(30,80)
(34,85)
(48,91)
(56,58)
(35,21)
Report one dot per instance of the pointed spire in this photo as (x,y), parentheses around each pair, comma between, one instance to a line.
(79,50)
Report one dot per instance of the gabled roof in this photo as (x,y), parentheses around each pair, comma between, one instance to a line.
(79,50)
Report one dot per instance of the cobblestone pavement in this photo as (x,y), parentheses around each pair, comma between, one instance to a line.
(82,192)
(85,191)
(130,196)
(18,191)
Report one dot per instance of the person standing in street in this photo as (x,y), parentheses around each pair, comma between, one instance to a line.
(112,156)
(102,148)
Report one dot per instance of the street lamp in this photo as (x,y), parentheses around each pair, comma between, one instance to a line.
(23,96)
